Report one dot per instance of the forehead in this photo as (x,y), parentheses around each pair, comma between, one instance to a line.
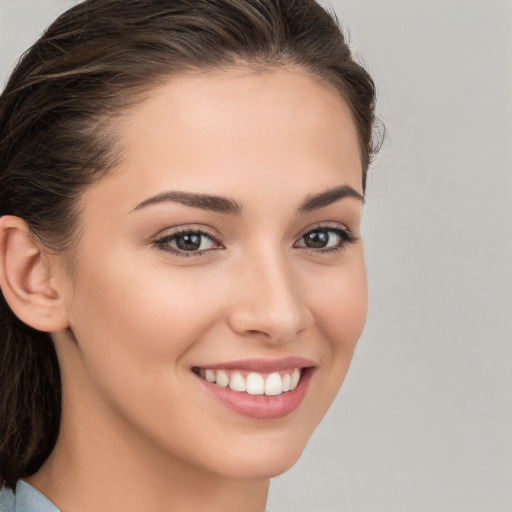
(216,132)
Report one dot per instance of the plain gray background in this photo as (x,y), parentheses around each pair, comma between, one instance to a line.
(424,420)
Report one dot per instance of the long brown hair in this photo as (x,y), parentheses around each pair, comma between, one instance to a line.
(57,136)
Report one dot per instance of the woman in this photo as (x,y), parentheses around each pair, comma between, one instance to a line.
(182,273)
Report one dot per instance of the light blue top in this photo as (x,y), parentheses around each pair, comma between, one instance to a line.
(25,499)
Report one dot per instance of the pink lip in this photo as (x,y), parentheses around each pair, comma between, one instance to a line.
(262,365)
(262,406)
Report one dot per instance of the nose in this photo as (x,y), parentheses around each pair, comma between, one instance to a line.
(268,301)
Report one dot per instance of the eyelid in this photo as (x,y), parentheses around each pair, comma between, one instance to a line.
(187,228)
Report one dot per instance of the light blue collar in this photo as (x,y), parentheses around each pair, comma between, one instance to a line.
(25,499)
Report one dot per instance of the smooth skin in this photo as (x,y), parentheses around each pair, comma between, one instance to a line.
(136,313)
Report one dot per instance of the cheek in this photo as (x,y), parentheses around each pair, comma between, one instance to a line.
(340,314)
(341,309)
(135,333)
(133,319)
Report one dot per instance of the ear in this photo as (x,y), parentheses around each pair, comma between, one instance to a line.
(26,280)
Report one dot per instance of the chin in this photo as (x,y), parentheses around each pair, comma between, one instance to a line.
(263,458)
(261,468)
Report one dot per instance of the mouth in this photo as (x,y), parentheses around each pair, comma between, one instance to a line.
(256,388)
(252,383)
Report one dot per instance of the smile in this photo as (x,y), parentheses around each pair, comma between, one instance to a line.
(252,383)
(258,388)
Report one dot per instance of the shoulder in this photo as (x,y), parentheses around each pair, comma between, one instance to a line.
(24,499)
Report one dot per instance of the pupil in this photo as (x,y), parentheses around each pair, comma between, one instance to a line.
(317,239)
(189,242)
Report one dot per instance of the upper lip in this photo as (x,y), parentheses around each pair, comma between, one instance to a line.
(262,365)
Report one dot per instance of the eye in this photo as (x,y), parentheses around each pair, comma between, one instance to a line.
(326,239)
(187,242)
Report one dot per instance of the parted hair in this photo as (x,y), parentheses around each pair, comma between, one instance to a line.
(58,116)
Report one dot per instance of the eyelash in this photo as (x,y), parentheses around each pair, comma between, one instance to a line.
(345,235)
(163,242)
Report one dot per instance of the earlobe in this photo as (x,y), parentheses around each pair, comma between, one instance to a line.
(26,279)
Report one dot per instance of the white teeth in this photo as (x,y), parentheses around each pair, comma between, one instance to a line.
(222,379)
(273,384)
(237,382)
(286,382)
(295,377)
(209,375)
(255,384)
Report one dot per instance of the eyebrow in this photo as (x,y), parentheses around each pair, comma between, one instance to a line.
(203,201)
(224,205)
(328,197)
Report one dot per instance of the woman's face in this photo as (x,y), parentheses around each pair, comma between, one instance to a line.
(225,246)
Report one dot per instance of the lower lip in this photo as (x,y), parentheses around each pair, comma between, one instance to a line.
(262,407)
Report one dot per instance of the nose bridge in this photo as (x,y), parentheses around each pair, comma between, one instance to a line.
(269,299)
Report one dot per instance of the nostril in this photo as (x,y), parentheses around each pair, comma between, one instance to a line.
(254,332)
